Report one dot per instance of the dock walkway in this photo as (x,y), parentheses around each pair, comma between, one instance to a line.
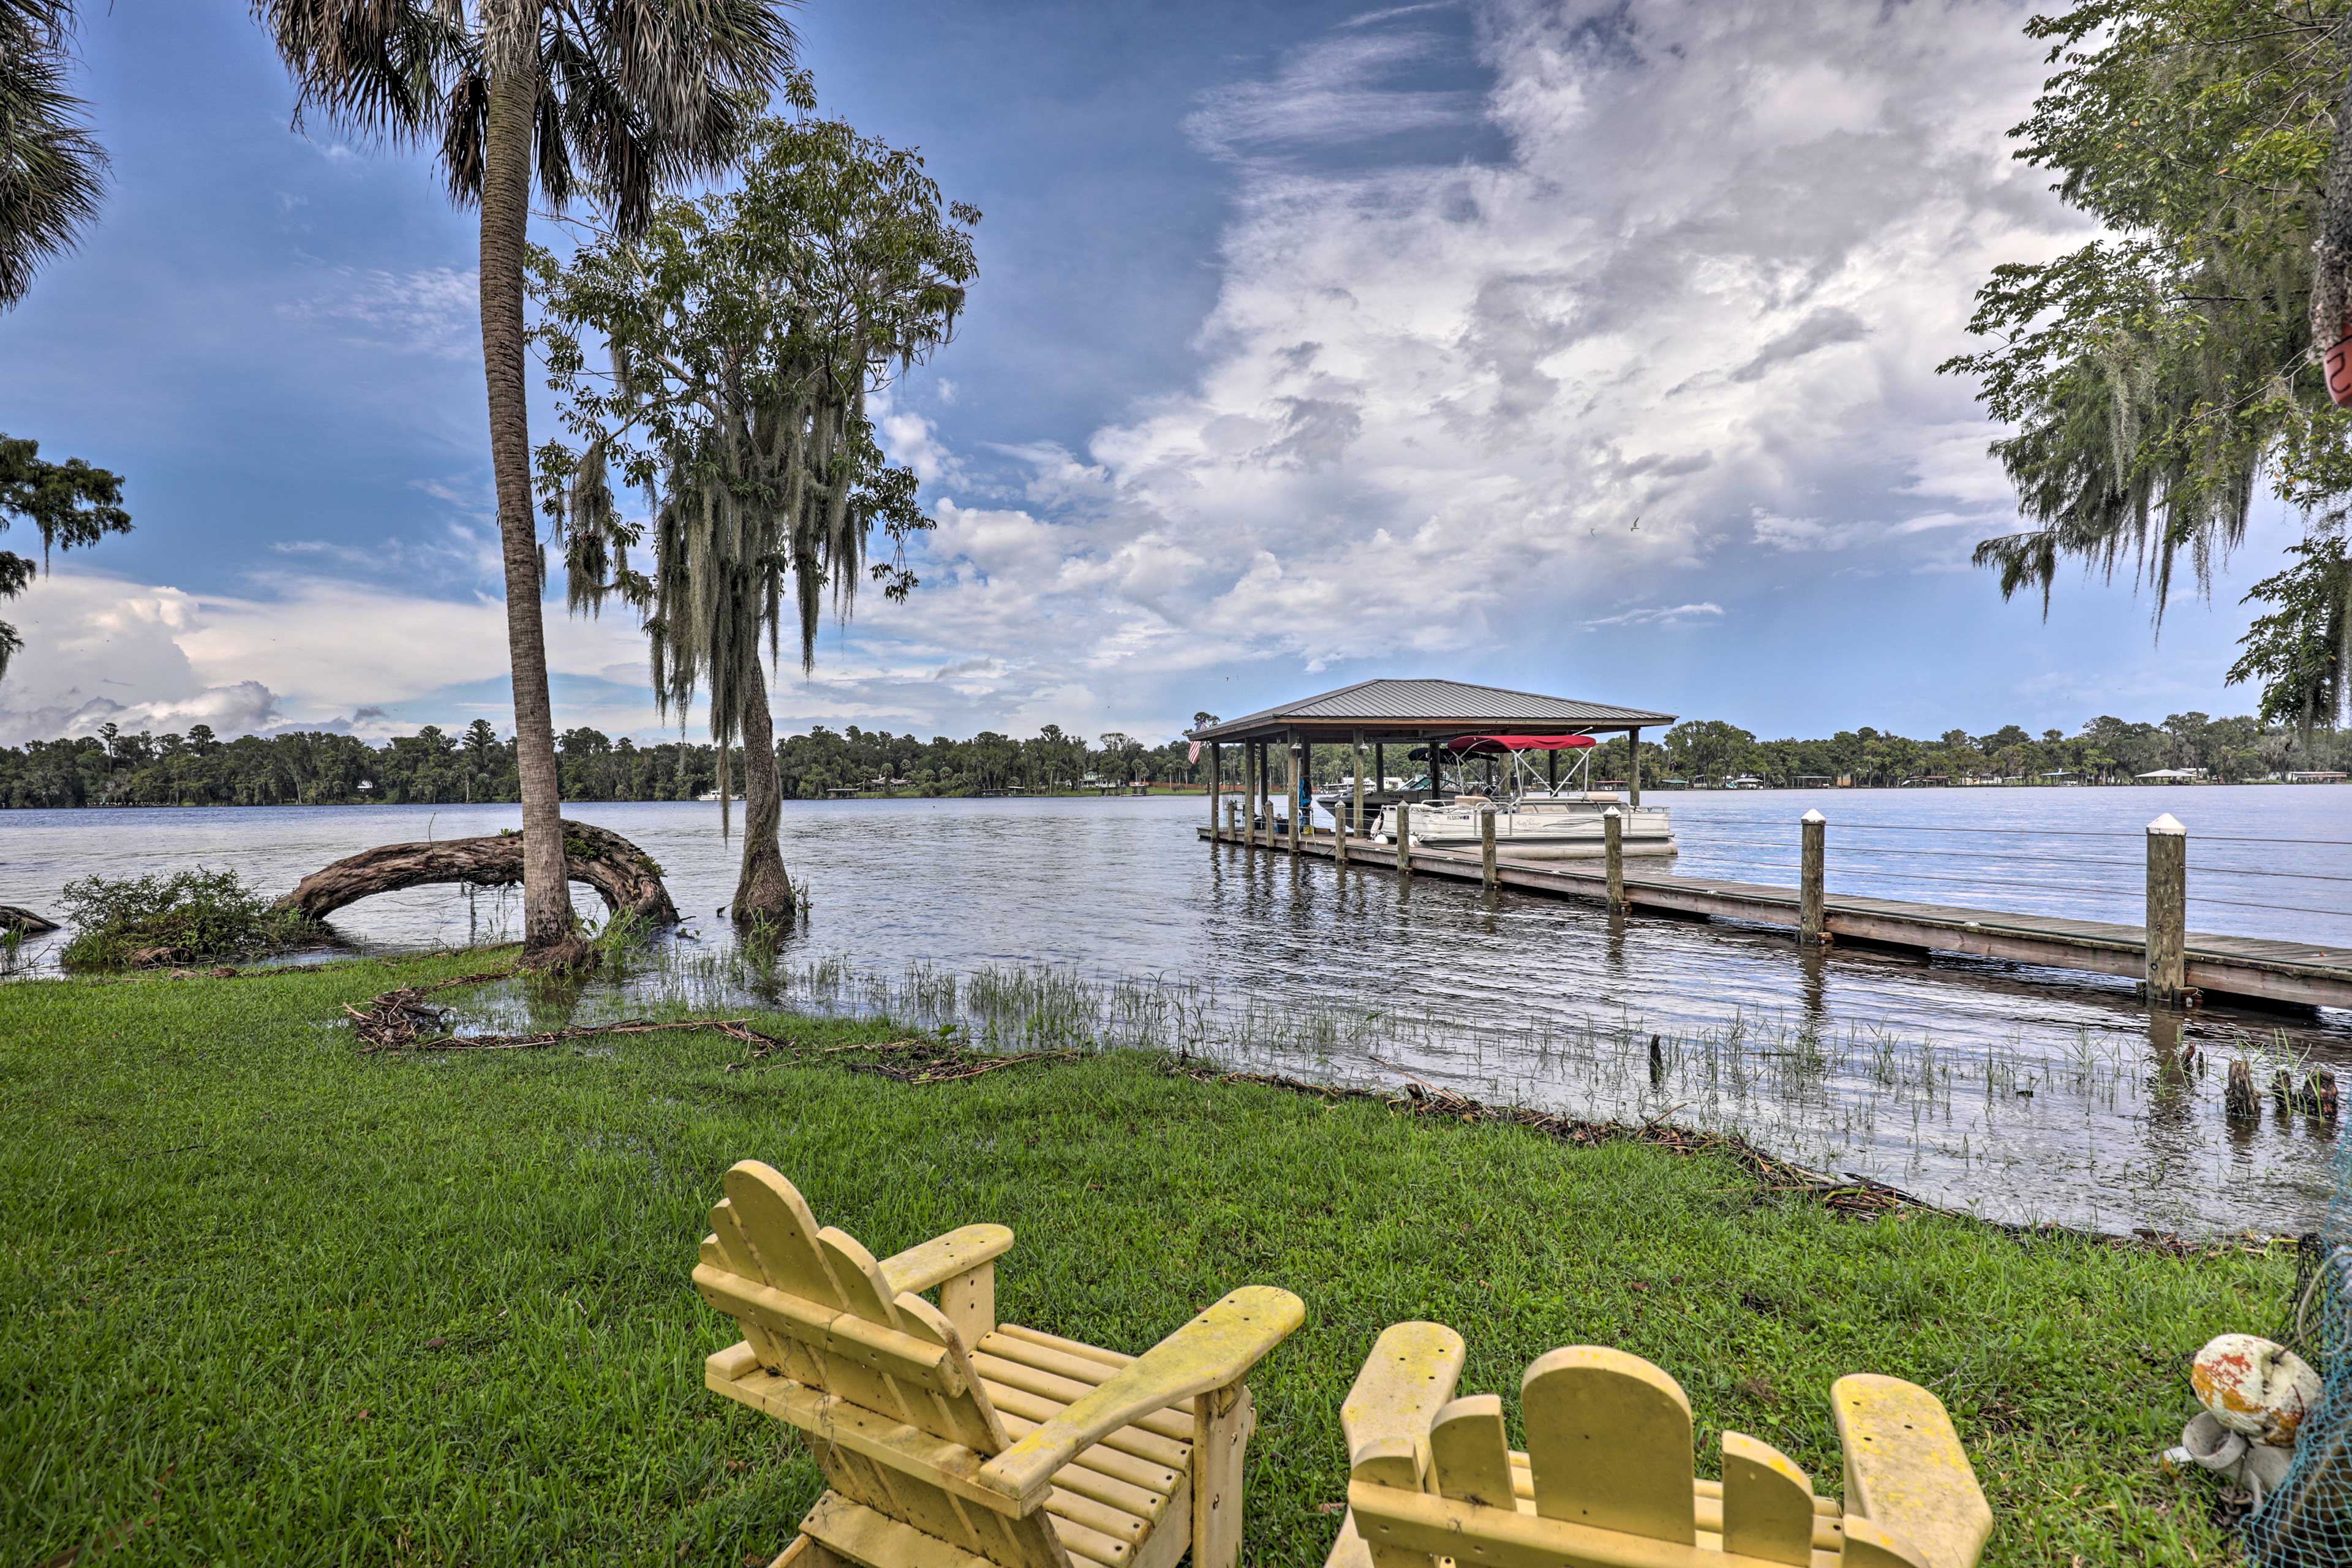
(2238,966)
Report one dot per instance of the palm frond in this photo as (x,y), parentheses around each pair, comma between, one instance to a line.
(52,169)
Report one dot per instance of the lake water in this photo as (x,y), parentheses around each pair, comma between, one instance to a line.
(2026,1094)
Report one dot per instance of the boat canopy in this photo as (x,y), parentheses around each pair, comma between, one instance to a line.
(1499,745)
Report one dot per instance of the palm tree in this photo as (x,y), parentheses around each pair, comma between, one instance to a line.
(51,168)
(615,98)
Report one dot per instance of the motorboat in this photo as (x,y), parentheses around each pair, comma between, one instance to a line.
(1534,818)
(1340,799)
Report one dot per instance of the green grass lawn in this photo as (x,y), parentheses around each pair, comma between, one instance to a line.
(268,1301)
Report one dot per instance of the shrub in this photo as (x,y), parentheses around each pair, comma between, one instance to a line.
(188,917)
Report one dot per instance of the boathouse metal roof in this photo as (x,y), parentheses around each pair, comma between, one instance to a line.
(1418,709)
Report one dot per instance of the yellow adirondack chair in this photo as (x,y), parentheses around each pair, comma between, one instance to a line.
(1607,1480)
(950,1440)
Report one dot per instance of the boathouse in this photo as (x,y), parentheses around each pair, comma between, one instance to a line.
(1382,713)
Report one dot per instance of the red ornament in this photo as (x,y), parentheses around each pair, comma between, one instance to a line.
(2339,364)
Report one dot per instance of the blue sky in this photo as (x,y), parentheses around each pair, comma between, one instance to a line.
(1586,349)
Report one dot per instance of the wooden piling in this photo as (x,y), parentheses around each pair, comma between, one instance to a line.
(1298,778)
(1216,785)
(2168,910)
(1356,817)
(1261,788)
(1612,844)
(1405,837)
(1487,846)
(1633,767)
(1812,881)
(1340,827)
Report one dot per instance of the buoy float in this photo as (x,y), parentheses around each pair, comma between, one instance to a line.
(2254,1386)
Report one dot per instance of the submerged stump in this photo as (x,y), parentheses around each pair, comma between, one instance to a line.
(625,877)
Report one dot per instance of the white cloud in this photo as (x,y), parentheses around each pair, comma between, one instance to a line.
(1659,616)
(300,648)
(435,311)
(1341,89)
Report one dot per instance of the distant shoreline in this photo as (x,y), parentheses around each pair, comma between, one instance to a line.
(1157,792)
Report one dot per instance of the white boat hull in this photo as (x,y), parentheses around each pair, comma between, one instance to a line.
(1562,828)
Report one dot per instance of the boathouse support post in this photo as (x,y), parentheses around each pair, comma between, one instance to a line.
(1297,786)
(2168,910)
(1341,823)
(1249,794)
(1486,845)
(1404,838)
(1812,881)
(1612,845)
(1216,785)
(1380,763)
(1633,766)
(1265,788)
(1251,807)
(1356,816)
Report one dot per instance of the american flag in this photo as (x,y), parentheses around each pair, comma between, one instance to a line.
(1194,754)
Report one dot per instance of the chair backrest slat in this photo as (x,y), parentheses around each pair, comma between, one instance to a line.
(1767,1502)
(1470,1453)
(1608,1438)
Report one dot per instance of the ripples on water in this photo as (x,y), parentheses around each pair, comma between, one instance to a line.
(2024,1093)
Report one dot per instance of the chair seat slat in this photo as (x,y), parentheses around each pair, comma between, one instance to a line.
(1165,1452)
(1065,1391)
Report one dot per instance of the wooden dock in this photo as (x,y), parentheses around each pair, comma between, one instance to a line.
(2297,972)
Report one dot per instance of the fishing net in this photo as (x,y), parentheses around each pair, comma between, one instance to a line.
(2308,1522)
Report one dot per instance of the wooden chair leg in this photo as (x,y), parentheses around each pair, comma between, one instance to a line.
(1224,1419)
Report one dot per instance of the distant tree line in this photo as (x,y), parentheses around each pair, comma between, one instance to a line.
(2108,750)
(436,767)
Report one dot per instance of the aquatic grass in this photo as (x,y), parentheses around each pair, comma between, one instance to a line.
(1896,1102)
(267,1300)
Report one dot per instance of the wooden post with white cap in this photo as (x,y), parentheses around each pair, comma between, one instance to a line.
(1813,885)
(2168,910)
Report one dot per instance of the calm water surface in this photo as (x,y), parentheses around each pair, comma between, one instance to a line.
(2025,1093)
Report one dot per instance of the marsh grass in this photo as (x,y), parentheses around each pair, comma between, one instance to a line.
(269,1301)
(1981,1127)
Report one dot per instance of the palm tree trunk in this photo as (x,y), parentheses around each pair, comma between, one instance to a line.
(762,891)
(547,927)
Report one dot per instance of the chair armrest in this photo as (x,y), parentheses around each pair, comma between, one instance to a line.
(941,1259)
(1214,1349)
(1906,1471)
(1409,1376)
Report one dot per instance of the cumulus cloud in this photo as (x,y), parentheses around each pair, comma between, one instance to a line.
(297,650)
(1687,322)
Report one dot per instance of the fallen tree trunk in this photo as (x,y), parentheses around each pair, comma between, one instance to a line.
(623,876)
(14,916)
